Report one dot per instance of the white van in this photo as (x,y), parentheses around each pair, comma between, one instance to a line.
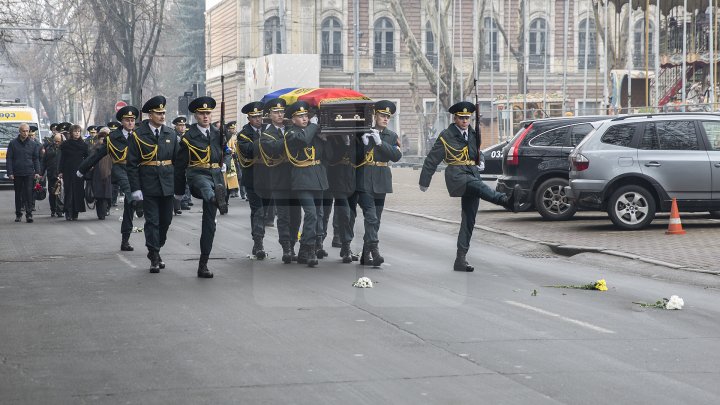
(12,114)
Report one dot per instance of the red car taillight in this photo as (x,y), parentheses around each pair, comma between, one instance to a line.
(513,158)
(580,162)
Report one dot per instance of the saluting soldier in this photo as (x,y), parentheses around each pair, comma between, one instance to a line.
(199,164)
(247,138)
(152,150)
(457,146)
(271,151)
(374,178)
(304,147)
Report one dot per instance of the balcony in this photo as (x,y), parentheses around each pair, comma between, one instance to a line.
(384,61)
(331,61)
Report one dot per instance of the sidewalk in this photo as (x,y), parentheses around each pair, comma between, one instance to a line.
(696,250)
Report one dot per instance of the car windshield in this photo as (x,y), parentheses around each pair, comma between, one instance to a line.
(8,131)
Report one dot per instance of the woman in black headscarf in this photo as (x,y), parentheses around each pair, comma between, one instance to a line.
(72,153)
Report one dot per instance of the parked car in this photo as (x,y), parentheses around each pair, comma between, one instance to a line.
(493,159)
(633,166)
(536,158)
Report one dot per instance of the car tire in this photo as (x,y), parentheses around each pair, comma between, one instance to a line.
(631,207)
(551,201)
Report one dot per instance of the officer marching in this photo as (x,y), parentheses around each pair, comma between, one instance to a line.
(152,150)
(117,149)
(457,146)
(199,164)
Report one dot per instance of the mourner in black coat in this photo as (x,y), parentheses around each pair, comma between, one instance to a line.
(72,153)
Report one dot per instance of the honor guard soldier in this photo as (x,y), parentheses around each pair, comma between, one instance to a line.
(374,178)
(117,148)
(303,147)
(199,164)
(152,150)
(272,153)
(457,146)
(246,140)
(180,124)
(91,138)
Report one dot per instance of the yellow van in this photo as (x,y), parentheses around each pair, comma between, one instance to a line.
(12,114)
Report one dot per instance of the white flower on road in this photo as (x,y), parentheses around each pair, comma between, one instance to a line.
(363,282)
(674,302)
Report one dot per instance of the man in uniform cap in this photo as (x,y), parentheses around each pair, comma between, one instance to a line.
(180,123)
(247,138)
(91,137)
(116,146)
(457,146)
(272,155)
(152,151)
(199,164)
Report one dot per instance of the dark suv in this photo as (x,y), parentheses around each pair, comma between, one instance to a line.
(537,159)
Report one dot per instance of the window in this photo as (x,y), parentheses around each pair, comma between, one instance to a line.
(619,135)
(490,45)
(578,133)
(273,39)
(669,135)
(384,57)
(430,51)
(331,43)
(712,130)
(554,138)
(538,38)
(588,107)
(639,44)
(591,45)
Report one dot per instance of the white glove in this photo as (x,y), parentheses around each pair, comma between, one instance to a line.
(376,137)
(223,168)
(423,189)
(77,173)
(137,195)
(178,197)
(314,119)
(481,166)
(322,136)
(366,138)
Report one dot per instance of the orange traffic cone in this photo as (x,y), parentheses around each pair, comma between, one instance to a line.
(675,226)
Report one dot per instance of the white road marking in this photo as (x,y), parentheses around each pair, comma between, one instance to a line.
(564,318)
(89,231)
(126,261)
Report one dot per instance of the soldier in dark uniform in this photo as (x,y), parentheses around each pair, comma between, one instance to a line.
(271,151)
(340,159)
(180,124)
(199,163)
(92,131)
(304,147)
(458,147)
(116,147)
(248,136)
(113,125)
(152,150)
(374,179)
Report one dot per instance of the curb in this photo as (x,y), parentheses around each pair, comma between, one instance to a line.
(563,249)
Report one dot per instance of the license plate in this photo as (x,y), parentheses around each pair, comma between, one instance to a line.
(3,152)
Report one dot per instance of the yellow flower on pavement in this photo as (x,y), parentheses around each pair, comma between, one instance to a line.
(600,285)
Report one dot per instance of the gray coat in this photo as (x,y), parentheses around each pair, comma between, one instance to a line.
(153,181)
(23,157)
(302,142)
(457,177)
(378,179)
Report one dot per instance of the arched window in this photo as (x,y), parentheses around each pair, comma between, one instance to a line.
(384,57)
(639,44)
(591,45)
(538,43)
(490,45)
(331,42)
(430,51)
(273,39)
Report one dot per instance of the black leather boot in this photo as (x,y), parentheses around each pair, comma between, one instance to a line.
(336,242)
(461,263)
(220,199)
(312,259)
(154,261)
(125,244)
(319,251)
(203,271)
(377,260)
(293,256)
(161,263)
(345,252)
(287,253)
(365,257)
(258,250)
(302,256)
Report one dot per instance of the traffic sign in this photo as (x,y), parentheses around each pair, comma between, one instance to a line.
(119,105)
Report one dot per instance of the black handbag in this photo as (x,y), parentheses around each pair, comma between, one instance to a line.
(89,195)
(39,191)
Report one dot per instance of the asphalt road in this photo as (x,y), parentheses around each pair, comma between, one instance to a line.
(84,323)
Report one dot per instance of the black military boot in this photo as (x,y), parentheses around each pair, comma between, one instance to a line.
(138,205)
(220,199)
(336,242)
(365,256)
(125,244)
(319,251)
(154,261)
(345,252)
(293,256)
(161,263)
(287,252)
(302,256)
(377,260)
(203,271)
(461,263)
(513,201)
(312,259)
(258,250)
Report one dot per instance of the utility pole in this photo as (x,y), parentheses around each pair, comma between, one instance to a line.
(356,56)
(283,34)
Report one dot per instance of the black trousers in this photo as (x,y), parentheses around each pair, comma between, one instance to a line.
(372,207)
(52,198)
(288,216)
(205,187)
(312,206)
(24,200)
(344,217)
(257,213)
(126,226)
(158,216)
(470,201)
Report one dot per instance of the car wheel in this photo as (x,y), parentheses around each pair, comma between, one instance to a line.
(551,201)
(631,207)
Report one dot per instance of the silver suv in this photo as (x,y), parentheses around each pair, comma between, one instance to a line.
(633,166)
